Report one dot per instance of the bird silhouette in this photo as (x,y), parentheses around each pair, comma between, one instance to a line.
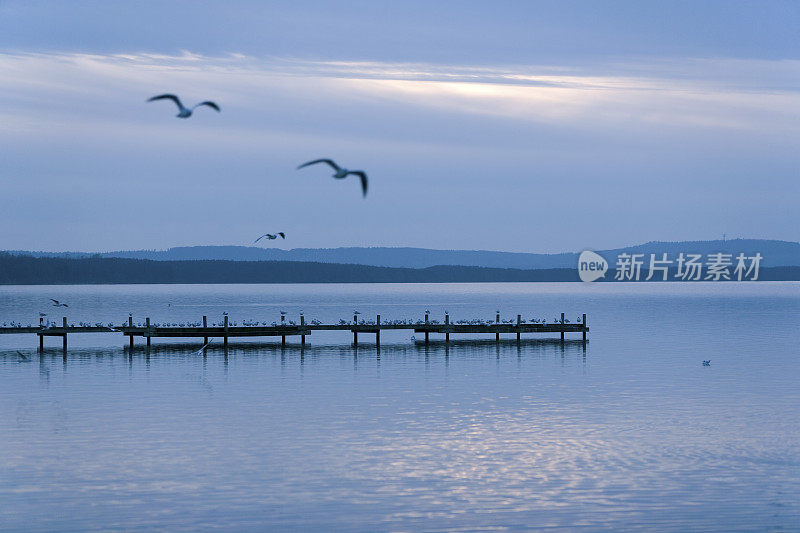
(341,173)
(271,236)
(56,303)
(22,356)
(183,112)
(707,362)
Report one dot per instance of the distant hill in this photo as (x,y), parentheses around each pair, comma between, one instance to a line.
(26,270)
(775,253)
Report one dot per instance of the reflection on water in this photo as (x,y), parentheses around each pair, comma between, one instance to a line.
(628,432)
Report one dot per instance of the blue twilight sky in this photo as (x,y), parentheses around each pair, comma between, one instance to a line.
(524,126)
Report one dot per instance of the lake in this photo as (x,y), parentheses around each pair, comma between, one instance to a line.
(629,432)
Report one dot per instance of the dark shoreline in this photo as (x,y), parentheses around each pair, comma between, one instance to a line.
(27,270)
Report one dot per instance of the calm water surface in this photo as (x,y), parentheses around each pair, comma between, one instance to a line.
(631,432)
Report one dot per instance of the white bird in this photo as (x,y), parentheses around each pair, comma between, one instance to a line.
(200,351)
(271,236)
(341,173)
(56,303)
(183,112)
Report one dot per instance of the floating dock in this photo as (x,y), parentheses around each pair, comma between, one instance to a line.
(148,331)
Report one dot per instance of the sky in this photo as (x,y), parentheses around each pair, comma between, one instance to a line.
(537,126)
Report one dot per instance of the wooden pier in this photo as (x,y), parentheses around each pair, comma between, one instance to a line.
(283,330)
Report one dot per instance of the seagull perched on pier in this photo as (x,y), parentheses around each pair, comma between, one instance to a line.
(341,173)
(56,303)
(271,236)
(183,112)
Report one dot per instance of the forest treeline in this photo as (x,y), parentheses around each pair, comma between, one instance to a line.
(28,270)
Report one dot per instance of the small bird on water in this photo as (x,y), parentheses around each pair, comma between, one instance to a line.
(707,362)
(341,173)
(183,112)
(271,236)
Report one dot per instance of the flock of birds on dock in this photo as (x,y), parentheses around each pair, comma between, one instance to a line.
(283,321)
(338,171)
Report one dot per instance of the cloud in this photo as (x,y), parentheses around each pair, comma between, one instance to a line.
(443,142)
(673,94)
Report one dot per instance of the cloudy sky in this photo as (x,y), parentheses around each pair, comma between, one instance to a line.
(524,126)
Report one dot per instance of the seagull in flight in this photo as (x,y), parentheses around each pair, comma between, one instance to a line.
(56,303)
(341,173)
(22,356)
(271,236)
(183,112)
(200,351)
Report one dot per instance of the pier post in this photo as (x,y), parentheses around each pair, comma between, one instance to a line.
(302,324)
(519,321)
(130,325)
(497,321)
(225,340)
(41,342)
(147,325)
(584,328)
(447,328)
(562,327)
(355,332)
(378,332)
(64,338)
(205,325)
(426,331)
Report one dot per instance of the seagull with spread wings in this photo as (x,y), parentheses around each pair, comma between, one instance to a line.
(56,303)
(341,173)
(271,236)
(183,112)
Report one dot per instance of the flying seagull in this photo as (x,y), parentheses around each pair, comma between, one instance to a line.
(341,173)
(22,356)
(56,303)
(183,112)
(200,351)
(271,236)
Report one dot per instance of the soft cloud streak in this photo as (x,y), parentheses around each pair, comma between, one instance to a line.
(442,142)
(681,97)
